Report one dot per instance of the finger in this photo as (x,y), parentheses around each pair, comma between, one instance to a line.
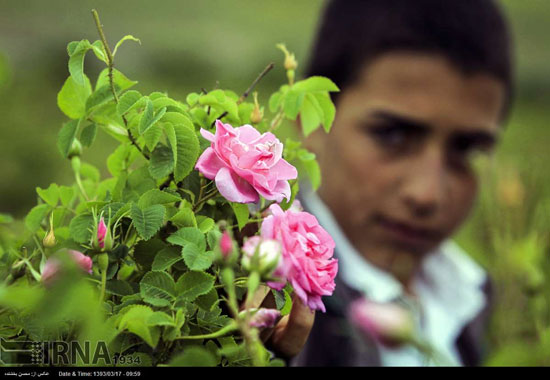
(291,333)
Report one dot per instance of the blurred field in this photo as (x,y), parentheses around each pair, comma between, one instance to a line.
(187,45)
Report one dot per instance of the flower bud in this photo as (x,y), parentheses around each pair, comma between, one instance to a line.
(260,255)
(226,245)
(389,324)
(76,149)
(262,318)
(103,238)
(257,114)
(103,262)
(290,62)
(49,240)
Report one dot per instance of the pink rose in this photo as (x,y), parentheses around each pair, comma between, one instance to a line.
(265,318)
(307,254)
(226,244)
(387,323)
(245,164)
(53,265)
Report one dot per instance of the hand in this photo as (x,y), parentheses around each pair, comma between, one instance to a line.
(289,335)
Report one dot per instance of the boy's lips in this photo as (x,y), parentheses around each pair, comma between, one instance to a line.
(409,234)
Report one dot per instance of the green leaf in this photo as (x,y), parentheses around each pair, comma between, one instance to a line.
(66,194)
(158,288)
(213,238)
(99,97)
(146,251)
(193,284)
(147,221)
(119,288)
(81,228)
(99,51)
(187,151)
(187,235)
(120,80)
(329,111)
(71,100)
(121,159)
(49,195)
(192,99)
(283,301)
(5,218)
(241,213)
(89,171)
(314,84)
(130,100)
(204,223)
(160,318)
(184,218)
(208,300)
(148,119)
(76,61)
(157,197)
(293,103)
(88,134)
(166,258)
(135,320)
(36,215)
(310,116)
(125,38)
(161,163)
(275,101)
(313,172)
(66,136)
(152,136)
(194,356)
(195,259)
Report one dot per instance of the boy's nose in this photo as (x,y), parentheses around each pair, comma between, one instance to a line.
(426,185)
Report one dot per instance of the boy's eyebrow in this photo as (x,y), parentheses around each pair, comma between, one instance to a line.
(478,135)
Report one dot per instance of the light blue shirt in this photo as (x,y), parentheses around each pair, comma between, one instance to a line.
(447,286)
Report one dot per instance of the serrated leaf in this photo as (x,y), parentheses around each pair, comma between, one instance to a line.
(72,97)
(81,227)
(120,80)
(66,194)
(193,284)
(66,136)
(157,197)
(76,61)
(293,103)
(204,223)
(121,159)
(99,51)
(184,218)
(49,195)
(157,288)
(147,221)
(99,97)
(314,84)
(187,151)
(145,251)
(125,38)
(309,115)
(213,238)
(36,215)
(160,318)
(194,356)
(275,101)
(208,300)
(148,119)
(241,213)
(186,235)
(166,258)
(119,288)
(152,136)
(161,163)
(88,134)
(128,101)
(195,259)
(135,321)
(329,110)
(192,99)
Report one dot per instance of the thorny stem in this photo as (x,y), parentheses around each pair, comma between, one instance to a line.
(110,66)
(249,89)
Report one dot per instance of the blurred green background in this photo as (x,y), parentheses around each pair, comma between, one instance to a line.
(189,45)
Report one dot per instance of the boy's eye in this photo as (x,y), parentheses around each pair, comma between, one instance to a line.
(393,136)
(463,148)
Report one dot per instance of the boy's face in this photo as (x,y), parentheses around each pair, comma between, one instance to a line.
(396,165)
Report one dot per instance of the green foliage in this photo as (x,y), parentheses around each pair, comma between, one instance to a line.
(156,288)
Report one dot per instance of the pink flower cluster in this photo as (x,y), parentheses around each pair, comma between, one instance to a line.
(245,164)
(307,251)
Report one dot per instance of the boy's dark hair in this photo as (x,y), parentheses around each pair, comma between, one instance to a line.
(472,34)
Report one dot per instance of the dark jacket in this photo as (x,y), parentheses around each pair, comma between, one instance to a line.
(335,342)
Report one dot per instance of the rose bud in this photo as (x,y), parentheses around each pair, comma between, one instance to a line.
(388,323)
(103,239)
(53,265)
(260,255)
(265,318)
(226,245)
(257,114)
(49,240)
